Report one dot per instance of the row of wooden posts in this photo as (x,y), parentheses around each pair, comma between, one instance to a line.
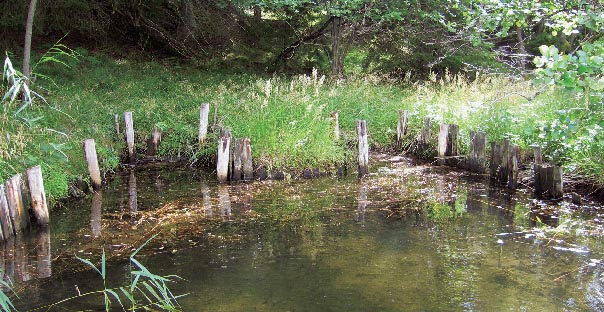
(234,157)
(504,157)
(15,215)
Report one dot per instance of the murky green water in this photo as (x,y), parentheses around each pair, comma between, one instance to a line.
(406,238)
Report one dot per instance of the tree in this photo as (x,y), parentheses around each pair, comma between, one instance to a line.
(28,34)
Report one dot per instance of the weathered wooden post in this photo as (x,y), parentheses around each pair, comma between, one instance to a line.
(38,197)
(246,159)
(503,173)
(424,136)
(495,160)
(401,126)
(93,163)
(116,123)
(513,159)
(335,116)
(129,135)
(447,143)
(537,170)
(478,149)
(204,112)
(18,214)
(7,224)
(363,157)
(222,163)
(154,141)
(237,166)
(557,187)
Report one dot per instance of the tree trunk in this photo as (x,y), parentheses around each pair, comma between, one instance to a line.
(336,50)
(28,33)
(520,47)
(186,27)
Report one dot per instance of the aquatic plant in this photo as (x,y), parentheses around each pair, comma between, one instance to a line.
(6,303)
(145,290)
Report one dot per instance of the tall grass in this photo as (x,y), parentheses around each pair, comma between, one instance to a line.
(287,118)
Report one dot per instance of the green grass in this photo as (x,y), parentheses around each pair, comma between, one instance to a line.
(287,118)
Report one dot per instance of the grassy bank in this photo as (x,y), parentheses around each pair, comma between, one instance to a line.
(287,118)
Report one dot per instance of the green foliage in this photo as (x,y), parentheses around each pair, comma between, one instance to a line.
(146,289)
(6,304)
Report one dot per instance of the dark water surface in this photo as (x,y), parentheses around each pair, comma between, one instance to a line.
(405,238)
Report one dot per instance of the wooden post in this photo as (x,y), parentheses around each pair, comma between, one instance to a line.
(116,122)
(222,163)
(478,149)
(336,125)
(495,160)
(401,126)
(38,197)
(5,221)
(129,135)
(246,158)
(537,170)
(504,168)
(204,112)
(424,136)
(557,183)
(153,143)
(237,167)
(363,157)
(447,143)
(513,159)
(14,197)
(93,163)
(443,136)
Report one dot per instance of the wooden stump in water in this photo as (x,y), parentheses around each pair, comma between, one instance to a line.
(14,196)
(447,144)
(537,170)
(154,141)
(478,148)
(204,112)
(5,221)
(38,197)
(401,126)
(222,162)
(336,125)
(246,159)
(93,163)
(129,123)
(236,154)
(424,137)
(504,163)
(363,156)
(548,178)
(513,158)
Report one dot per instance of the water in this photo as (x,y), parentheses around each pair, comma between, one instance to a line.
(405,238)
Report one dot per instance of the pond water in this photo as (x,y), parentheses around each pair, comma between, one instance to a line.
(405,238)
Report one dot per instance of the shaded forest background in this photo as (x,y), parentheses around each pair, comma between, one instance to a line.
(388,37)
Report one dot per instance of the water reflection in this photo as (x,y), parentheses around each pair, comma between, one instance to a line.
(362,202)
(132,195)
(95,214)
(207,202)
(43,252)
(224,201)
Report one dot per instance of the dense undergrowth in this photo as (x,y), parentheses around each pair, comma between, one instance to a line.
(287,118)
